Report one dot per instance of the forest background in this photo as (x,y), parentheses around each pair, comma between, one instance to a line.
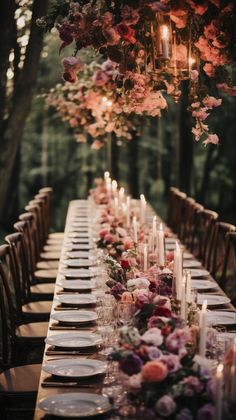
(38,149)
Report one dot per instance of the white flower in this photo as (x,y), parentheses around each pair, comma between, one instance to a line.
(153,336)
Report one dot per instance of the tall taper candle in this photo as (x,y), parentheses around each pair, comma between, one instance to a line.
(145,258)
(183,299)
(203,329)
(178,270)
(143,205)
(188,286)
(161,246)
(128,212)
(135,229)
(219,392)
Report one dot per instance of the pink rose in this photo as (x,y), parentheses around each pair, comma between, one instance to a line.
(72,63)
(154,371)
(153,336)
(211,102)
(103,233)
(209,69)
(128,242)
(100,78)
(111,36)
(165,406)
(109,238)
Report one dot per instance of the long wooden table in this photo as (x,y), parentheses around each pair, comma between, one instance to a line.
(76,208)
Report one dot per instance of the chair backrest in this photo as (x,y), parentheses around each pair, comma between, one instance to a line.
(23,227)
(187,219)
(35,209)
(40,203)
(171,206)
(17,244)
(206,230)
(8,318)
(32,236)
(178,206)
(219,248)
(228,277)
(193,233)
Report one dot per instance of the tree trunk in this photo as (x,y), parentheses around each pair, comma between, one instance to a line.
(133,166)
(20,109)
(186,143)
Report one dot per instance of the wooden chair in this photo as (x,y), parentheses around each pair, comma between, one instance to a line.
(18,385)
(192,239)
(187,220)
(178,206)
(228,277)
(38,291)
(216,260)
(26,308)
(173,191)
(53,237)
(205,223)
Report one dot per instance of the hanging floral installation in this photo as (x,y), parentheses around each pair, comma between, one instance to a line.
(156,45)
(93,105)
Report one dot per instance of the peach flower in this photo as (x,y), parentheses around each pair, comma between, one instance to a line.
(126,297)
(154,371)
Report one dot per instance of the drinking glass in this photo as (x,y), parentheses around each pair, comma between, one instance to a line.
(125,312)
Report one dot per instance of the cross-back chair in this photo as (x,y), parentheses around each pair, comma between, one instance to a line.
(216,261)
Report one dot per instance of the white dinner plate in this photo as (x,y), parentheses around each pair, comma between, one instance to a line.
(191,264)
(75,404)
(75,368)
(79,229)
(77,247)
(170,240)
(75,317)
(75,299)
(79,262)
(203,284)
(212,300)
(221,318)
(77,273)
(187,256)
(78,234)
(77,254)
(199,272)
(77,339)
(76,239)
(77,285)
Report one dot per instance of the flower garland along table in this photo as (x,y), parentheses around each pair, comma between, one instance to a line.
(160,369)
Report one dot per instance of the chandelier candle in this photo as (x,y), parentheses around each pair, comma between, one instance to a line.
(161,246)
(203,329)
(178,270)
(219,392)
(165,41)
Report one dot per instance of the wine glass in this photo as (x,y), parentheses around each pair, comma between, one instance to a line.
(125,312)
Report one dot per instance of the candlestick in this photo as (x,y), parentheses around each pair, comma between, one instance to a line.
(183,299)
(143,208)
(178,270)
(203,329)
(145,258)
(219,392)
(161,246)
(188,286)
(135,228)
(165,42)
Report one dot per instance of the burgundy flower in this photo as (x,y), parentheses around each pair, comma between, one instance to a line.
(70,76)
(126,32)
(131,365)
(162,311)
(125,264)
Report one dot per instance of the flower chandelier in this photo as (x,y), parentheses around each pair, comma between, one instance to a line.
(156,44)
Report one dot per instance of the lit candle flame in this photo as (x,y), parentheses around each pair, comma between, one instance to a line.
(142,197)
